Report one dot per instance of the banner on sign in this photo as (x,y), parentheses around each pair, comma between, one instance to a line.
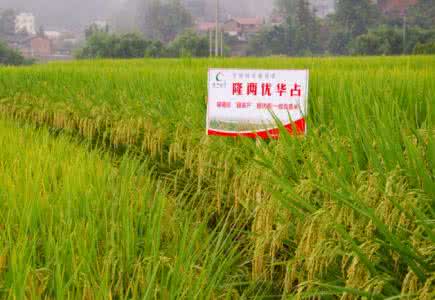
(248,103)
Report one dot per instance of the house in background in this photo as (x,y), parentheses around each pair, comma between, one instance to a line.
(43,45)
(395,7)
(205,27)
(243,28)
(276,19)
(25,22)
(53,34)
(38,47)
(63,43)
(238,31)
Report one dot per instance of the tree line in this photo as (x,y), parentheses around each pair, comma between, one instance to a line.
(165,31)
(357,27)
(133,45)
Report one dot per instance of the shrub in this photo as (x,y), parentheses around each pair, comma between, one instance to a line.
(105,45)
(381,41)
(189,44)
(10,56)
(428,48)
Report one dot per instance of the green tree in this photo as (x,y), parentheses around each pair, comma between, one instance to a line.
(10,56)
(356,16)
(351,19)
(165,20)
(422,14)
(305,29)
(94,28)
(131,45)
(417,35)
(270,41)
(7,22)
(339,40)
(428,48)
(99,45)
(189,44)
(387,40)
(155,49)
(286,6)
(380,41)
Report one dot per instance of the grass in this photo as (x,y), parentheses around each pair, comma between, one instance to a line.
(346,212)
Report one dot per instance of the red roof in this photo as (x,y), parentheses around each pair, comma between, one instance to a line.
(397,5)
(205,26)
(249,21)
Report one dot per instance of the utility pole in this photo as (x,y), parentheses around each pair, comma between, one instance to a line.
(210,34)
(217,30)
(222,43)
(404,32)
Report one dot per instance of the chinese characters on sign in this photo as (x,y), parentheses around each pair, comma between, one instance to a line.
(249,102)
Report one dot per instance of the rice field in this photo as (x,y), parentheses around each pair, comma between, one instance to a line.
(109,187)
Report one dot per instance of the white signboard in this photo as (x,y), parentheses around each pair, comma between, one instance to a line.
(248,103)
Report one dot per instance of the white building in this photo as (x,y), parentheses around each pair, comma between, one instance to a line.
(101,25)
(52,34)
(25,22)
(323,7)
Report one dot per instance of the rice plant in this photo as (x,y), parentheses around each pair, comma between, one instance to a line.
(72,225)
(344,213)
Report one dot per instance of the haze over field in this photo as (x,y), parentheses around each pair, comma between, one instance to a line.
(75,14)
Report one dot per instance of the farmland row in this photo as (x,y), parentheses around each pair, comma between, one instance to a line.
(74,226)
(349,205)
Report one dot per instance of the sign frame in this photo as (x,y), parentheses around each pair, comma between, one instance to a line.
(300,125)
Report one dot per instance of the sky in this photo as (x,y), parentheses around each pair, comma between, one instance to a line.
(77,14)
(61,13)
